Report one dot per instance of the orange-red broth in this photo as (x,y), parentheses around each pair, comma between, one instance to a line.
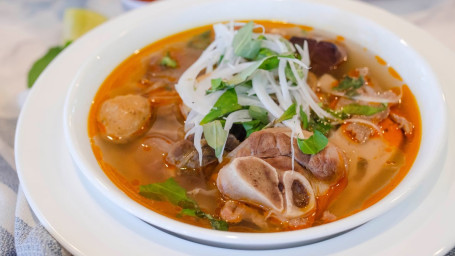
(142,161)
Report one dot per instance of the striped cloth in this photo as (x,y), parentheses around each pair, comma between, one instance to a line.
(20,231)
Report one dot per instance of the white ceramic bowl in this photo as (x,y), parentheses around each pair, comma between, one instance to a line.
(146,25)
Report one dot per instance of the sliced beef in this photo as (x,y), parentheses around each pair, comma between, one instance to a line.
(124,117)
(359,132)
(183,154)
(404,124)
(324,55)
(275,142)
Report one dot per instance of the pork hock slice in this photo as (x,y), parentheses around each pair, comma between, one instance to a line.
(251,180)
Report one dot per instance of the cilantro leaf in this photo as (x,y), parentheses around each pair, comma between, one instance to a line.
(215,135)
(357,109)
(243,43)
(40,64)
(314,144)
(225,104)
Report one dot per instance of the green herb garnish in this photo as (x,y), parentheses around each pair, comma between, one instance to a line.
(217,85)
(39,65)
(357,109)
(167,61)
(253,126)
(244,44)
(290,75)
(314,144)
(349,85)
(171,191)
(259,113)
(225,104)
(215,136)
(304,118)
(288,114)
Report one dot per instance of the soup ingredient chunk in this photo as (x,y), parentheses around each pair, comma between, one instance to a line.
(251,180)
(275,142)
(324,55)
(124,117)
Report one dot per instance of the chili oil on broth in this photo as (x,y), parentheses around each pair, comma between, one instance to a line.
(142,161)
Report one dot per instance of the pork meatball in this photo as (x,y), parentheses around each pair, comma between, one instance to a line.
(124,117)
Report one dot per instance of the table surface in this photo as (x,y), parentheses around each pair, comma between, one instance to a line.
(28,28)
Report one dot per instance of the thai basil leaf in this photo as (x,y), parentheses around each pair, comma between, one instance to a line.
(40,64)
(217,85)
(168,190)
(225,104)
(304,118)
(314,144)
(253,126)
(259,113)
(357,109)
(265,52)
(288,114)
(270,63)
(243,43)
(171,191)
(216,136)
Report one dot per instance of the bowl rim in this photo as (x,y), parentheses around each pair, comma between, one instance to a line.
(234,239)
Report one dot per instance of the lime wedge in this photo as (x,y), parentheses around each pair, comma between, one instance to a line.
(78,21)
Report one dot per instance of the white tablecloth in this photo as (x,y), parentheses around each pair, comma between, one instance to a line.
(29,27)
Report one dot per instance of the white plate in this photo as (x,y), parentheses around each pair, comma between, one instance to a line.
(87,224)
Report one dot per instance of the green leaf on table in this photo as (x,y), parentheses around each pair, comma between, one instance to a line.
(225,104)
(366,110)
(39,65)
(215,136)
(314,144)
